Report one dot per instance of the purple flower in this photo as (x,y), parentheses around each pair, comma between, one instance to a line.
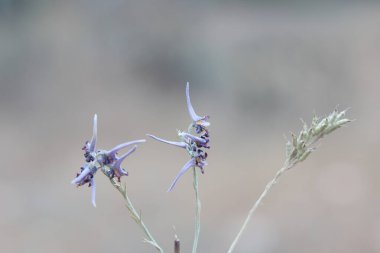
(194,145)
(108,161)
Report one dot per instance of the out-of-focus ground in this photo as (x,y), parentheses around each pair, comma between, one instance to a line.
(255,67)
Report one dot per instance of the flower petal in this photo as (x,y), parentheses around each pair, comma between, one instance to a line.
(82,175)
(202,163)
(192,113)
(174,143)
(192,137)
(113,151)
(188,165)
(203,122)
(121,159)
(93,192)
(94,134)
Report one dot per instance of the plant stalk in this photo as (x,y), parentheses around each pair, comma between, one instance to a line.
(268,187)
(197,211)
(136,216)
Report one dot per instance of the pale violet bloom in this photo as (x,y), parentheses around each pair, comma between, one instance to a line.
(194,145)
(108,161)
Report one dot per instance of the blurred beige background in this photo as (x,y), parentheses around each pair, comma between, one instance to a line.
(256,67)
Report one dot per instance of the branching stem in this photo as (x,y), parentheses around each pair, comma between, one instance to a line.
(136,216)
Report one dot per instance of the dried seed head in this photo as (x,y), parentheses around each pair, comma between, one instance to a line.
(300,147)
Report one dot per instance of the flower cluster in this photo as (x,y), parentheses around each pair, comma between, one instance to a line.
(195,144)
(108,161)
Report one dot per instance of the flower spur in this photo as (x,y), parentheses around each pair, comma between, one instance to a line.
(194,145)
(200,123)
(108,161)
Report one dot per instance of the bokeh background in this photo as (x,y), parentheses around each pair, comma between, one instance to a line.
(256,67)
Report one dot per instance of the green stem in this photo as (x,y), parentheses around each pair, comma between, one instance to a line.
(197,211)
(268,187)
(136,216)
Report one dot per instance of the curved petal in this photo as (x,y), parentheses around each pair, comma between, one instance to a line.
(82,175)
(121,159)
(192,137)
(122,172)
(174,143)
(201,164)
(93,192)
(113,151)
(192,113)
(94,134)
(188,165)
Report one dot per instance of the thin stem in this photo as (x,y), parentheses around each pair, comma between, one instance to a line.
(136,216)
(268,187)
(197,211)
(297,151)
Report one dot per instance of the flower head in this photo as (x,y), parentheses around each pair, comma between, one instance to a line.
(195,144)
(108,161)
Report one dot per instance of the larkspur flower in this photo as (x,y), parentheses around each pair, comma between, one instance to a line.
(108,161)
(194,145)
